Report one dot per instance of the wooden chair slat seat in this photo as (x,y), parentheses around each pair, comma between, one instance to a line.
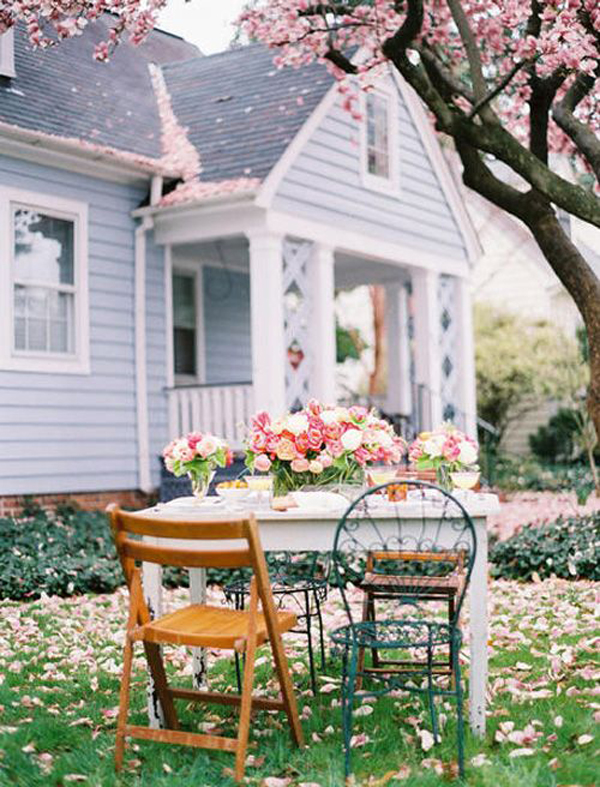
(448,585)
(205,626)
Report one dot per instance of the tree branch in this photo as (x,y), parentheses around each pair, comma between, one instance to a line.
(472,50)
(585,140)
(502,85)
(340,60)
(444,74)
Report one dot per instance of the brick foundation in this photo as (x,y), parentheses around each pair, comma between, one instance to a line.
(12,505)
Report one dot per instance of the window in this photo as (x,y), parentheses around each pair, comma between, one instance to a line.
(45,297)
(185,339)
(379,158)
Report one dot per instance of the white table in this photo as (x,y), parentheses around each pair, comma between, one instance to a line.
(299,530)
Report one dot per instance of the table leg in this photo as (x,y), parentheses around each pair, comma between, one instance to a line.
(198,596)
(152,581)
(478,632)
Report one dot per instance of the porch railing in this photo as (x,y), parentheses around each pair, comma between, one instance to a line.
(220,409)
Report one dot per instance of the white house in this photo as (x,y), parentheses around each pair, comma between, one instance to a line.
(174,228)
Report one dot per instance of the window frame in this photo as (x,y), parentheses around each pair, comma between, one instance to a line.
(12,359)
(390,184)
(195,270)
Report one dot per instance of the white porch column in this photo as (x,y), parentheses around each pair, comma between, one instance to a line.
(322,323)
(398,398)
(266,306)
(427,343)
(466,356)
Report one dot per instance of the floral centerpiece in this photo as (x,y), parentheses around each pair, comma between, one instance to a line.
(321,444)
(198,455)
(446,450)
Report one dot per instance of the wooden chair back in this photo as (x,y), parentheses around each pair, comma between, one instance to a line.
(131,551)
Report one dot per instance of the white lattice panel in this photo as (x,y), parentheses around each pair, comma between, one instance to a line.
(296,299)
(449,340)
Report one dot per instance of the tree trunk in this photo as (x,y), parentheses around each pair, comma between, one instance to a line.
(582,285)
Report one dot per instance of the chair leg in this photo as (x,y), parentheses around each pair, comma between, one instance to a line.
(321,629)
(450,655)
(430,694)
(287,689)
(245,706)
(348,690)
(123,703)
(460,727)
(157,670)
(311,658)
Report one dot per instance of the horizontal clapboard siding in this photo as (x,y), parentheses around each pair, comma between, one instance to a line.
(227,325)
(324,183)
(77,433)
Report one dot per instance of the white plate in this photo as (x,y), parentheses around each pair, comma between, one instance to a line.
(320,501)
(191,502)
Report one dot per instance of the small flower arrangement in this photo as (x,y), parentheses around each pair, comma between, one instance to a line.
(197,454)
(321,444)
(445,450)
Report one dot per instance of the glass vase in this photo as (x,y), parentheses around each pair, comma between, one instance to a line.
(443,479)
(200,484)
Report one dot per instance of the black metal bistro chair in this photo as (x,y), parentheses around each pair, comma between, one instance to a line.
(300,583)
(392,561)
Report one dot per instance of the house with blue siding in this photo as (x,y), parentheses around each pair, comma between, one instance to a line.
(173,230)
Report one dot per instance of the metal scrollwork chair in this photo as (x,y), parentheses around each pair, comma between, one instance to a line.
(392,561)
(300,582)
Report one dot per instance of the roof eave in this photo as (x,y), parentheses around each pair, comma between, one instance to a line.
(193,205)
(102,160)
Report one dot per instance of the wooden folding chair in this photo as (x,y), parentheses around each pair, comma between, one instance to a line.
(200,625)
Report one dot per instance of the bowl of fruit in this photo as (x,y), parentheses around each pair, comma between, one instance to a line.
(233,491)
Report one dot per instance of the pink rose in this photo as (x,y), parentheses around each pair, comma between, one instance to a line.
(300,465)
(302,443)
(194,438)
(207,446)
(315,438)
(262,463)
(332,431)
(315,467)
(286,450)
(335,448)
(325,459)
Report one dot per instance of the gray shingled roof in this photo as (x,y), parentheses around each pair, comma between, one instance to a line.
(242,112)
(64,91)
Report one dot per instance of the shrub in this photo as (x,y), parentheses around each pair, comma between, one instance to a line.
(568,548)
(513,475)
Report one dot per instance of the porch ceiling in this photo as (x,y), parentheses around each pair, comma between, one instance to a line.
(353,271)
(232,251)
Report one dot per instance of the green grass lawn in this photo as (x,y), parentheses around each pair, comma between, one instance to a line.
(60,663)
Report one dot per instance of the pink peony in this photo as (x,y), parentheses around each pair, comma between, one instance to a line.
(262,463)
(300,465)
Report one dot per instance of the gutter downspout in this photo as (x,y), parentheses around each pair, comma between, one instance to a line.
(141,371)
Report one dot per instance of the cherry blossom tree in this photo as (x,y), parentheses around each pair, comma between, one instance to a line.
(509,81)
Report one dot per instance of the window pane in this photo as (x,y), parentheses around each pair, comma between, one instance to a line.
(44,247)
(184,301)
(184,341)
(377,135)
(44,320)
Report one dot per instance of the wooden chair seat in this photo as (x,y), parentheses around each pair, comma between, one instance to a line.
(446,586)
(205,626)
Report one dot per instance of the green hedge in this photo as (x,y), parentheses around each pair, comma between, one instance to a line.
(567,548)
(514,475)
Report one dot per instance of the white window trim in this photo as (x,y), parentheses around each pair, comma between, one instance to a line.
(27,361)
(372,182)
(195,269)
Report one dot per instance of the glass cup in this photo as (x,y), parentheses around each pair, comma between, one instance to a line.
(466,479)
(262,487)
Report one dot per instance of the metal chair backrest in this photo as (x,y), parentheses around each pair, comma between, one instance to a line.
(411,550)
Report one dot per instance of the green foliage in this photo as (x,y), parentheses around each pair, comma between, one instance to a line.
(518,363)
(567,548)
(68,553)
(349,343)
(556,442)
(514,475)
